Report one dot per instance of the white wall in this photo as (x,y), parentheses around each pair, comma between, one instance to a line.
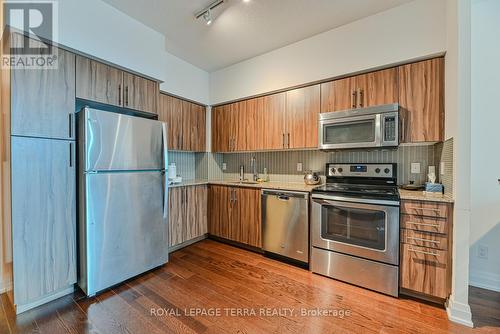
(485,189)
(96,28)
(409,31)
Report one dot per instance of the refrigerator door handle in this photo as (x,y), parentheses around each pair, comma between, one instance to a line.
(165,170)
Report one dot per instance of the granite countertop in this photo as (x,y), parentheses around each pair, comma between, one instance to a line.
(292,186)
(423,196)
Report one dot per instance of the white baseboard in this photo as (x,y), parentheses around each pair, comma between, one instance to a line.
(459,312)
(484,280)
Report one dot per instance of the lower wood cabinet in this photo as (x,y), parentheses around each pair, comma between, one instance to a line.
(187,213)
(426,248)
(235,214)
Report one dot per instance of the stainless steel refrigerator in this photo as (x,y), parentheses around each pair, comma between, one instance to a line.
(123,197)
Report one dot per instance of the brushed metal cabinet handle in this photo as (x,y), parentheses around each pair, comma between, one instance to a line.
(283,140)
(422,239)
(361,95)
(126,96)
(288,140)
(424,209)
(354,99)
(119,94)
(423,224)
(422,252)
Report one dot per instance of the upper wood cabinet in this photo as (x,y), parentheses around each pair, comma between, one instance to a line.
(366,90)
(271,121)
(186,122)
(421,100)
(43,100)
(301,117)
(102,83)
(139,93)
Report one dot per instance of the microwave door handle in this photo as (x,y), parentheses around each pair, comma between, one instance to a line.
(378,130)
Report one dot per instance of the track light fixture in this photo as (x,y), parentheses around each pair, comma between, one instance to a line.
(207,12)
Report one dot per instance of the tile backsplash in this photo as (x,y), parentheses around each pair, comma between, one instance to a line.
(282,165)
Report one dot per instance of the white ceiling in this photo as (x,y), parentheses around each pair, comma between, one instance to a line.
(242,30)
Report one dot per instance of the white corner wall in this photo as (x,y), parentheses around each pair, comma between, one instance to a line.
(98,29)
(485,160)
(405,32)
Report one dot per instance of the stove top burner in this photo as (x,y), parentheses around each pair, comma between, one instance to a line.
(359,190)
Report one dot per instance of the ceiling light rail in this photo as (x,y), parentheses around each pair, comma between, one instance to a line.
(207,12)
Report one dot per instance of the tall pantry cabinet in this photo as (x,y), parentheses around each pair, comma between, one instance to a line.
(38,179)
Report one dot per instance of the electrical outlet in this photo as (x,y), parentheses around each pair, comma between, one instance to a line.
(441,168)
(415,168)
(482,252)
(299,166)
(224,166)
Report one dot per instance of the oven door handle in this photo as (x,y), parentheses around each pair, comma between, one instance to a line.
(351,205)
(352,202)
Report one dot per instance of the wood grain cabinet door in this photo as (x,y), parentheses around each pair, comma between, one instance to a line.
(196,217)
(140,93)
(301,117)
(377,88)
(43,100)
(338,95)
(176,215)
(221,134)
(98,82)
(250,217)
(272,121)
(43,217)
(197,125)
(170,111)
(421,100)
(220,205)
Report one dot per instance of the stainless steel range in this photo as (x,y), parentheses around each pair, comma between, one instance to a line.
(355,226)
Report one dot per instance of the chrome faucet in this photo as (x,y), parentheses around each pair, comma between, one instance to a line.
(254,169)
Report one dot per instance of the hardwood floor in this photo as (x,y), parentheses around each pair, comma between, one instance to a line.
(210,277)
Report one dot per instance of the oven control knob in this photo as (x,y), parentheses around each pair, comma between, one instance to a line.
(377,170)
(387,170)
(339,169)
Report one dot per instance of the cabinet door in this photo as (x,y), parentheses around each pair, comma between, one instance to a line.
(176,215)
(250,216)
(253,134)
(43,217)
(220,202)
(139,93)
(197,128)
(170,112)
(196,207)
(221,139)
(235,120)
(43,100)
(421,100)
(302,110)
(234,220)
(338,95)
(98,82)
(377,88)
(272,121)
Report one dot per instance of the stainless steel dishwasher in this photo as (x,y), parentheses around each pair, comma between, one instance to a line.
(285,224)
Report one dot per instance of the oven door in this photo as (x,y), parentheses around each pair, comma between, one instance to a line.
(369,231)
(350,132)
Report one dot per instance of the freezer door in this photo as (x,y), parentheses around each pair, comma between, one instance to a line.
(121,142)
(126,227)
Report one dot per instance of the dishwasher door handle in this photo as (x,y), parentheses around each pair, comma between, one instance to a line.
(283,198)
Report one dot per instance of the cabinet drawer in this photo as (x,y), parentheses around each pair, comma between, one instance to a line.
(428,209)
(424,239)
(425,270)
(424,224)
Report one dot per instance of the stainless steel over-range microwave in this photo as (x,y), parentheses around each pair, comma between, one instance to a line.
(360,128)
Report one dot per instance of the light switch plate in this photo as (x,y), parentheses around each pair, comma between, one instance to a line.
(299,166)
(415,168)
(441,168)
(224,166)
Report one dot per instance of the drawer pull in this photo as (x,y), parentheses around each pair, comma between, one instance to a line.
(423,252)
(424,209)
(421,239)
(423,224)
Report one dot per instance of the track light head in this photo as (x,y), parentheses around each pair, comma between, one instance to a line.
(208,17)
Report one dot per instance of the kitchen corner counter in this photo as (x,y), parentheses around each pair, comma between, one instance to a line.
(422,196)
(291,186)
